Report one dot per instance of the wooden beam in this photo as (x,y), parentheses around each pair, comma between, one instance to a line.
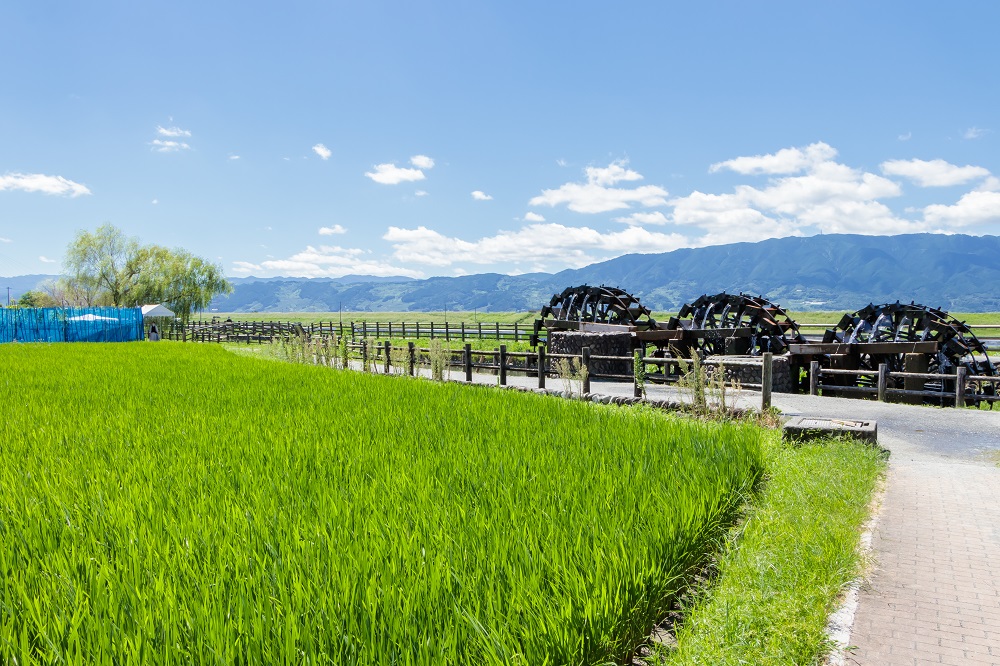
(863,348)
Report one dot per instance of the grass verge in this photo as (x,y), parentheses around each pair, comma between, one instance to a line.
(785,566)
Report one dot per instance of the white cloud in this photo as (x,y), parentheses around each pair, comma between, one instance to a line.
(975,133)
(155,201)
(325,261)
(561,162)
(162,146)
(785,161)
(991,184)
(543,244)
(823,197)
(322,151)
(977,207)
(905,137)
(596,195)
(390,174)
(420,193)
(46,260)
(5,240)
(611,174)
(330,231)
(532,216)
(422,162)
(234,157)
(172,132)
(479,195)
(38,182)
(639,218)
(933,173)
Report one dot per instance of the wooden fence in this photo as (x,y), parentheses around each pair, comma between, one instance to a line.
(957,389)
(963,387)
(267,331)
(387,359)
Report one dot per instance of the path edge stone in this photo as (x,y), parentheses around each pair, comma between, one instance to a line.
(841,622)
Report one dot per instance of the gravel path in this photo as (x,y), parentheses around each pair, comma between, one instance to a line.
(933,596)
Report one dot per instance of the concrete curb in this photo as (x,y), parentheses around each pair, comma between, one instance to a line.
(841,622)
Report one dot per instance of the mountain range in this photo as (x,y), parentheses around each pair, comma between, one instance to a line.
(825,272)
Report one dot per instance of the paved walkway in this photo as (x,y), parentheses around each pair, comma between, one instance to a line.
(933,596)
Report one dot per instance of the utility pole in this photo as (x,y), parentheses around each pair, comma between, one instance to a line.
(8,296)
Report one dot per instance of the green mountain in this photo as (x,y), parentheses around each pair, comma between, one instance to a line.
(829,272)
(832,272)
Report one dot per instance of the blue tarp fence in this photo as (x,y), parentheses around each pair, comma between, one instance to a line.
(71,324)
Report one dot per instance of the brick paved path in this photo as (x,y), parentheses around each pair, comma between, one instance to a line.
(934,595)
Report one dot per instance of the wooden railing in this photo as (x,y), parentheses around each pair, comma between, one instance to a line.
(268,331)
(384,357)
(964,388)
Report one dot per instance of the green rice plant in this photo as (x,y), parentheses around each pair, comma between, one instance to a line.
(173,503)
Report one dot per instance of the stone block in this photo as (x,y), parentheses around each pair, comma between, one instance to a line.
(802,428)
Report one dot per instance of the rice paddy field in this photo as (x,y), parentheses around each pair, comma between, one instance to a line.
(170,503)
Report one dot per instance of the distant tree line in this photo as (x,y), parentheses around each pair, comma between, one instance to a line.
(108,267)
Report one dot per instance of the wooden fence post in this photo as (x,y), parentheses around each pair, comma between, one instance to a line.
(915,363)
(641,354)
(468,362)
(516,337)
(503,365)
(463,331)
(541,366)
(497,325)
(432,330)
(447,333)
(883,381)
(814,378)
(412,358)
(364,354)
(378,330)
(585,362)
(480,325)
(364,329)
(388,349)
(960,373)
(766,381)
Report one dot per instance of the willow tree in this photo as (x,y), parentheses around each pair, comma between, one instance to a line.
(182,281)
(115,269)
(108,266)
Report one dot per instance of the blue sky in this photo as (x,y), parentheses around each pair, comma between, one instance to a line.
(410,138)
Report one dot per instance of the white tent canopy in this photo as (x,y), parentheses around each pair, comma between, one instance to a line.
(156,310)
(90,317)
